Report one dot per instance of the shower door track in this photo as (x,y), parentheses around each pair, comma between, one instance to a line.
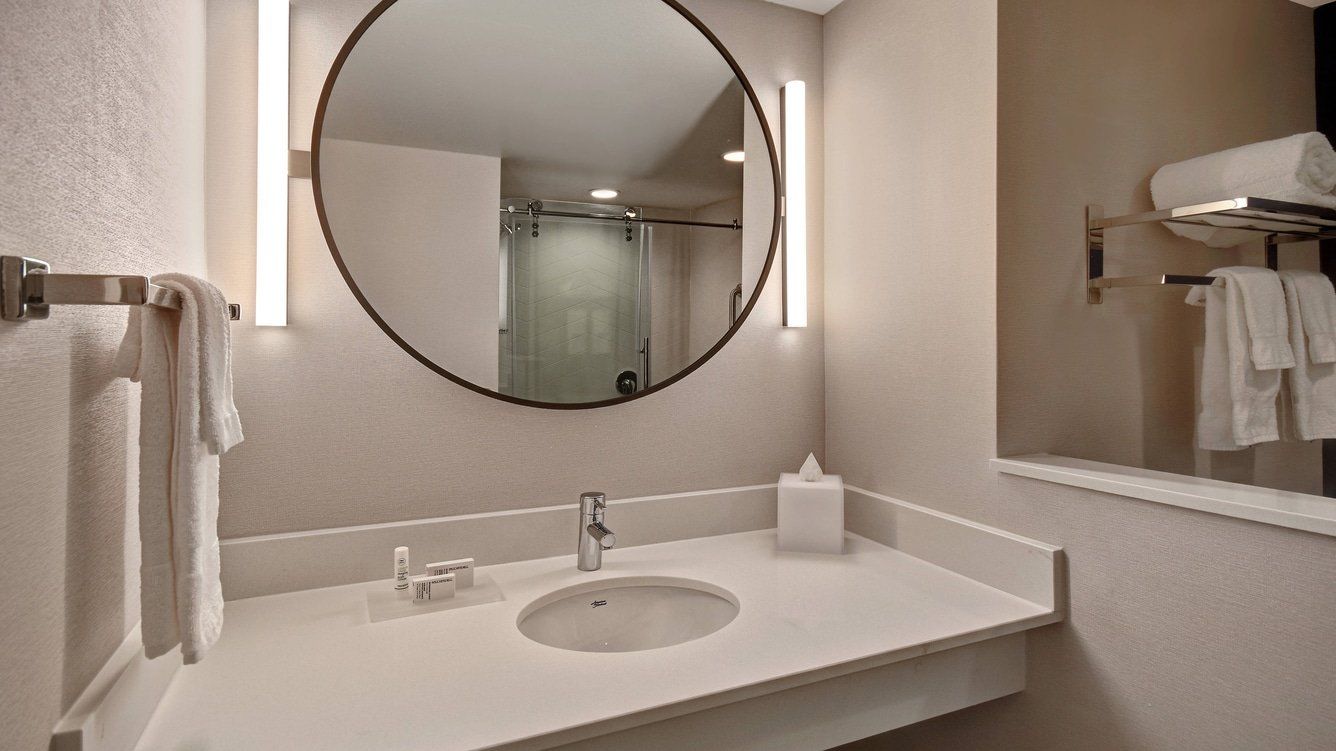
(734,225)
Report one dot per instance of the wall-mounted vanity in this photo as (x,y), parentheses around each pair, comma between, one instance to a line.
(924,614)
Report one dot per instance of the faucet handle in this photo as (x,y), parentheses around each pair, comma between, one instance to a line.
(606,539)
(593,501)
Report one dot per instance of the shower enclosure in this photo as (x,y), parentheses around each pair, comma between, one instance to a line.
(574,302)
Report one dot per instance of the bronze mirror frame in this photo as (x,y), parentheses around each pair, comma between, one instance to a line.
(777,218)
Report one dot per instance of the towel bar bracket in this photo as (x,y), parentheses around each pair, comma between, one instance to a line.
(28,289)
(1094,253)
(15,304)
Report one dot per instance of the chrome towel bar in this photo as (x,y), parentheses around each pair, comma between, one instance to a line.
(27,289)
(1278,222)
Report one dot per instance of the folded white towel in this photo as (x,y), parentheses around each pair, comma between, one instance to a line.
(1316,313)
(1265,314)
(1300,168)
(187,420)
(220,425)
(1310,394)
(1240,374)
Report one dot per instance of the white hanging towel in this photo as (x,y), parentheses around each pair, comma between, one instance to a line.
(1311,385)
(1299,168)
(187,420)
(1242,362)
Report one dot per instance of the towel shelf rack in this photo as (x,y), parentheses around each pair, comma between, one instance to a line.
(27,289)
(1278,222)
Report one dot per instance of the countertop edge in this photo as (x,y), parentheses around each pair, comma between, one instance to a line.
(781,683)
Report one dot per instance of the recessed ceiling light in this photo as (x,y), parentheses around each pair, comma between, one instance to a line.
(735,156)
(603,194)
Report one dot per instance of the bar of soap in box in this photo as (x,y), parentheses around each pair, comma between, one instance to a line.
(811,514)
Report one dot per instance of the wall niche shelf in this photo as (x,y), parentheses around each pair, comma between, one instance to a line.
(1278,222)
(1281,508)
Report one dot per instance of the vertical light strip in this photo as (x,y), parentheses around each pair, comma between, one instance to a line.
(794,101)
(271,166)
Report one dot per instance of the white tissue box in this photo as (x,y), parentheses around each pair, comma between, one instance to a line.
(811,514)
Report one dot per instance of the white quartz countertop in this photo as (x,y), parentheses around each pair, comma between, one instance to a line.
(309,670)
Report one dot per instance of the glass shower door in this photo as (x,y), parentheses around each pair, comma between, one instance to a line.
(576,305)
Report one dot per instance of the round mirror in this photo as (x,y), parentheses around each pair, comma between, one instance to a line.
(560,203)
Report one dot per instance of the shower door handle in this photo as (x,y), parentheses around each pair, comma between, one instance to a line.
(734,298)
(644,351)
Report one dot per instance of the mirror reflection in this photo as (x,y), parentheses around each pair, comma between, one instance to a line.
(545,199)
(1146,362)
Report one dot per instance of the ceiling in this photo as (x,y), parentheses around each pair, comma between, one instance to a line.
(570,94)
(821,7)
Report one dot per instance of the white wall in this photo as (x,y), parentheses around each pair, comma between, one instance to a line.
(101,171)
(417,230)
(1186,630)
(331,390)
(716,269)
(670,295)
(758,181)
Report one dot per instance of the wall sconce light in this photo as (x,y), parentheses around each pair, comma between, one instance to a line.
(271,152)
(793,105)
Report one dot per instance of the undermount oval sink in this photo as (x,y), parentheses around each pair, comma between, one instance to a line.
(628,614)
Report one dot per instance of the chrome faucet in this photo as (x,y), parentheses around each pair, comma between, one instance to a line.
(594,537)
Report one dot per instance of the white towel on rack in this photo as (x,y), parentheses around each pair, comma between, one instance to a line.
(1316,313)
(1300,169)
(1309,406)
(1264,313)
(187,420)
(1240,380)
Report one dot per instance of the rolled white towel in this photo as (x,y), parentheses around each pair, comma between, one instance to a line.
(1300,169)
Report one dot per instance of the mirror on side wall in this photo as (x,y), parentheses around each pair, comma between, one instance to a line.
(559,203)
(1127,374)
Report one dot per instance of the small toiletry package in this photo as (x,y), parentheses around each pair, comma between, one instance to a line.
(428,588)
(462,570)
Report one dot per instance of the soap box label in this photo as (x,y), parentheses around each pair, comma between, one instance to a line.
(428,588)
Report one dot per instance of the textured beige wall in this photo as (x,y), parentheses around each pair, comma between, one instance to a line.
(1094,97)
(1187,630)
(331,390)
(101,171)
(910,165)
